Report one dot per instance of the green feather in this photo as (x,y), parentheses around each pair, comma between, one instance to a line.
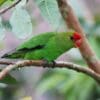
(47,46)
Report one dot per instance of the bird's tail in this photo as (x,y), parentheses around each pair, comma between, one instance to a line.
(14,55)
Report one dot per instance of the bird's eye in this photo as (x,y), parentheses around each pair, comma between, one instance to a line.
(71,37)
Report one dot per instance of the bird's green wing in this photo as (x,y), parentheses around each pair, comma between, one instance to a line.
(36,42)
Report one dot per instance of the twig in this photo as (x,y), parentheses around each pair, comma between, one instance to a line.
(6,62)
(39,63)
(72,22)
(8,8)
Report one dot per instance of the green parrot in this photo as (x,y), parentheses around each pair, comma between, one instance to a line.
(48,46)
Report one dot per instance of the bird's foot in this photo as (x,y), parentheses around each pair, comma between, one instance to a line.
(53,64)
(50,64)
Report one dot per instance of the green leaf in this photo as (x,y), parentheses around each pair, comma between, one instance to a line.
(2,2)
(88,87)
(72,85)
(5,1)
(50,83)
(49,10)
(8,80)
(2,30)
(21,23)
(95,44)
(78,88)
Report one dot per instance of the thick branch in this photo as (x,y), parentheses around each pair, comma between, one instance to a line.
(72,22)
(8,8)
(39,63)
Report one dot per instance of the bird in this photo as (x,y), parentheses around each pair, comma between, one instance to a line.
(48,46)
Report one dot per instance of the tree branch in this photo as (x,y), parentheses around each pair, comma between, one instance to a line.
(8,8)
(72,22)
(38,63)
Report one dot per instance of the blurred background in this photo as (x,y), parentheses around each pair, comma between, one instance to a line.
(48,84)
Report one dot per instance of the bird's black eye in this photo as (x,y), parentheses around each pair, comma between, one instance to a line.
(71,38)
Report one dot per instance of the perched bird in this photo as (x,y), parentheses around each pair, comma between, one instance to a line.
(48,46)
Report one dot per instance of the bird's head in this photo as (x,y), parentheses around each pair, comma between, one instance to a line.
(76,38)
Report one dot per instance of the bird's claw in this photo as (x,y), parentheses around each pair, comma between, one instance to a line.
(53,64)
(50,64)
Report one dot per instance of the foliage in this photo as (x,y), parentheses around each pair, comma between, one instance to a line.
(19,23)
(50,12)
(71,85)
(2,2)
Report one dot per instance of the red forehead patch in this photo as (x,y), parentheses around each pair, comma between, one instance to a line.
(76,36)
